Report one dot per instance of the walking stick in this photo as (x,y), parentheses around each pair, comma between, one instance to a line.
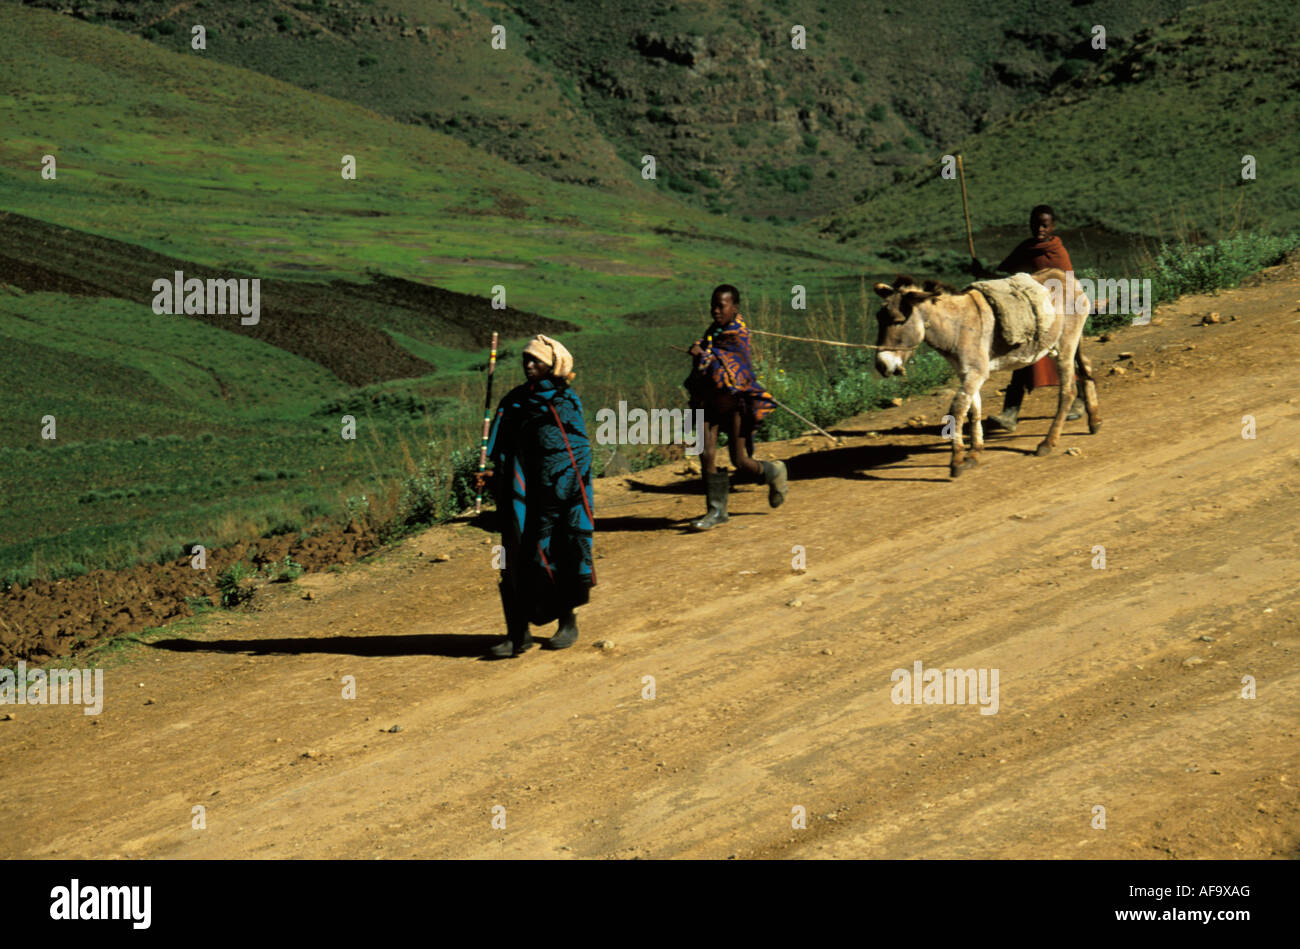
(487,423)
(965,208)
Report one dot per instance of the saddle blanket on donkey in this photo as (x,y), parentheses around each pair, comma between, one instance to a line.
(1022,307)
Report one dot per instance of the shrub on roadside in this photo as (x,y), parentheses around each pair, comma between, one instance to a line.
(235,585)
(1197,269)
(283,571)
(443,488)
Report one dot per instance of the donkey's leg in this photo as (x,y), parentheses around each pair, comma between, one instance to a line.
(1083,365)
(1084,368)
(1065,369)
(976,425)
(959,410)
(971,389)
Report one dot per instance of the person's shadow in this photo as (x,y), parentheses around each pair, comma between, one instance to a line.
(855,462)
(451,645)
(605,525)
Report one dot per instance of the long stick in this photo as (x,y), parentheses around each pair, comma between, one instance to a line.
(782,406)
(487,423)
(970,240)
(807,422)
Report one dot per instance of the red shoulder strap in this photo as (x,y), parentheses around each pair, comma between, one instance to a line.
(582,488)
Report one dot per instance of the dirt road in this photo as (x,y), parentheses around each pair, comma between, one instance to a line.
(1119,687)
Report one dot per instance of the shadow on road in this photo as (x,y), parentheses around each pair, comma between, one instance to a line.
(452,645)
(854,462)
(633,523)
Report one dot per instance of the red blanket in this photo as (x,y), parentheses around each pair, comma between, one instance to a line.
(1030,255)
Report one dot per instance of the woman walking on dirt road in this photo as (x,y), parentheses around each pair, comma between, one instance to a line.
(541,478)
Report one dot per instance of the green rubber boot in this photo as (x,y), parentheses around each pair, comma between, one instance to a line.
(1006,421)
(774,474)
(1010,415)
(716,486)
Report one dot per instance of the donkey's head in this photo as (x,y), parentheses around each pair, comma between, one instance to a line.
(901,325)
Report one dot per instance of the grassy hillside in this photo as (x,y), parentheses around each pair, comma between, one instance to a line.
(349,328)
(169,429)
(1150,140)
(754,126)
(737,118)
(182,155)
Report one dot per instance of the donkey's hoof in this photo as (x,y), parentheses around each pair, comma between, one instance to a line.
(956,469)
(1093,426)
(1043,449)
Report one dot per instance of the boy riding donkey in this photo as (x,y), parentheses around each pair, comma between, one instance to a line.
(724,385)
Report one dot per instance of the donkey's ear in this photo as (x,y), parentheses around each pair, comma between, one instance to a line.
(904,280)
(884,290)
(913,297)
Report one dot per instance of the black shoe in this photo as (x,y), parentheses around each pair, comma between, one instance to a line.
(716,486)
(518,639)
(774,474)
(511,646)
(566,635)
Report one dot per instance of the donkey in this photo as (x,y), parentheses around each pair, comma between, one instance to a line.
(960,327)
